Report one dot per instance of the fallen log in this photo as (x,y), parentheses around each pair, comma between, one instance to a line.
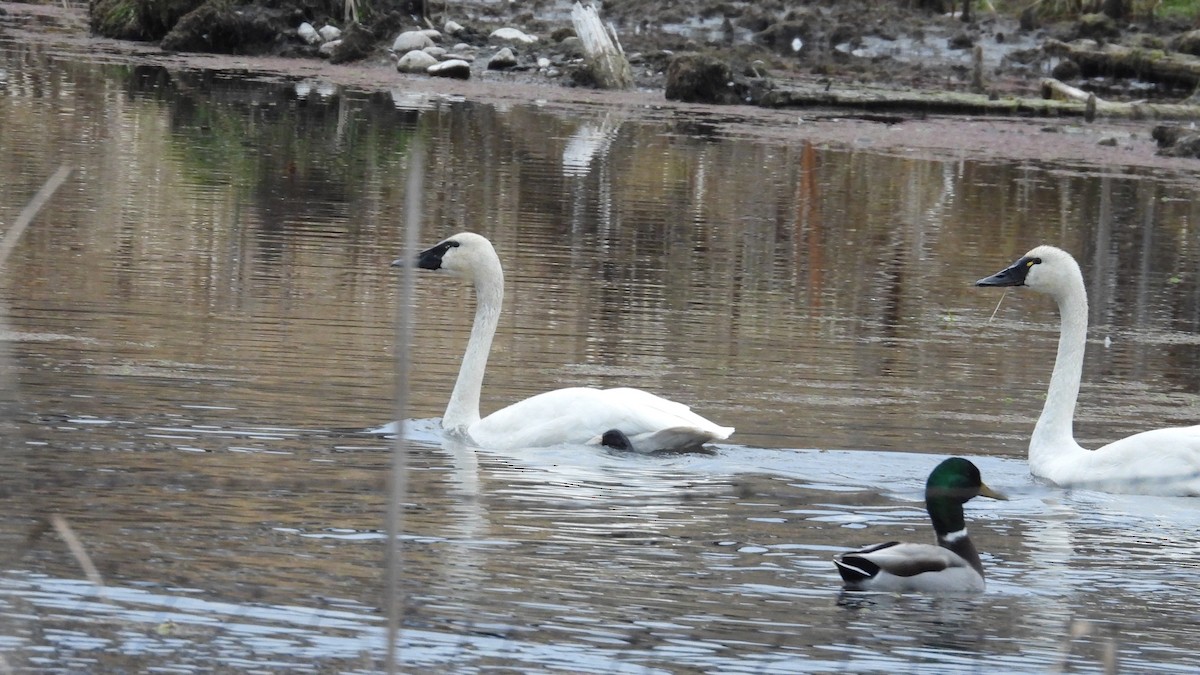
(1110,60)
(877,99)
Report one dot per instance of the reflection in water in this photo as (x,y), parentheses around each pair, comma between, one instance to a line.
(209,302)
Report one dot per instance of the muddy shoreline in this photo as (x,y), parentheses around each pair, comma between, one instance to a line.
(1103,143)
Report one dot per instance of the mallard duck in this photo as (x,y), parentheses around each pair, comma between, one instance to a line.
(630,419)
(1160,461)
(951,566)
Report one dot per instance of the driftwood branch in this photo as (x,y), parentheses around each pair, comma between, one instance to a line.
(1061,91)
(1111,60)
(1094,106)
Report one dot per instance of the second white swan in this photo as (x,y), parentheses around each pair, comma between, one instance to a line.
(1161,461)
(623,417)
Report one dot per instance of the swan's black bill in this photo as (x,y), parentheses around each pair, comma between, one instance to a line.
(1013,275)
(430,258)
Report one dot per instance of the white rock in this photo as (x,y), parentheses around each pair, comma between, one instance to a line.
(452,27)
(502,60)
(410,40)
(435,51)
(415,61)
(461,47)
(329,33)
(543,62)
(456,68)
(512,35)
(308,33)
(327,49)
(432,34)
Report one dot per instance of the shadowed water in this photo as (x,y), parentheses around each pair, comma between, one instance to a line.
(201,329)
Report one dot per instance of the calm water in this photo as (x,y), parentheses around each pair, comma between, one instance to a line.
(201,326)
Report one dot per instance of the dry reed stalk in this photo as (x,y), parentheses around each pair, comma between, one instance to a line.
(75,545)
(31,210)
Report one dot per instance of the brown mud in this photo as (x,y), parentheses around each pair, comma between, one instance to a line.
(1064,140)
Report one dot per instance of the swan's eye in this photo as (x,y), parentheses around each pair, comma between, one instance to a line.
(1033,261)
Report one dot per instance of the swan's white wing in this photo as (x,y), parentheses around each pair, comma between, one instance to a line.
(908,567)
(1160,461)
(578,415)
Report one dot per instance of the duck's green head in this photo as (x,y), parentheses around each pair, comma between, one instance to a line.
(957,479)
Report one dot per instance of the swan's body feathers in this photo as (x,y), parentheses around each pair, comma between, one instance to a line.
(635,419)
(581,415)
(1160,461)
(900,567)
(1163,461)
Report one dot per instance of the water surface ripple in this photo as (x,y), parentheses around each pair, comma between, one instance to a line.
(200,333)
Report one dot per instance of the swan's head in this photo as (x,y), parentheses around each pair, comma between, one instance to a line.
(1045,268)
(464,255)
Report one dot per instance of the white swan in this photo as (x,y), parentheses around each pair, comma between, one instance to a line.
(623,418)
(952,566)
(1162,461)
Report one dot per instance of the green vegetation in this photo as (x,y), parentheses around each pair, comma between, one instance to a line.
(1073,9)
(1182,9)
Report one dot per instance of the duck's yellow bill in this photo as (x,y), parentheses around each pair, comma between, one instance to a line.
(985,491)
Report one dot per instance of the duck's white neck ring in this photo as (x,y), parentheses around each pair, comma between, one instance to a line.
(951,537)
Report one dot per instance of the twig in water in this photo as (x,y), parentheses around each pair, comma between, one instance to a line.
(994,311)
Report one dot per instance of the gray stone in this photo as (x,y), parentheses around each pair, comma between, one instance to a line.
(502,60)
(329,33)
(410,40)
(415,61)
(308,33)
(571,46)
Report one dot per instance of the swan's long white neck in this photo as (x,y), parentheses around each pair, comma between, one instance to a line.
(1054,437)
(463,409)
